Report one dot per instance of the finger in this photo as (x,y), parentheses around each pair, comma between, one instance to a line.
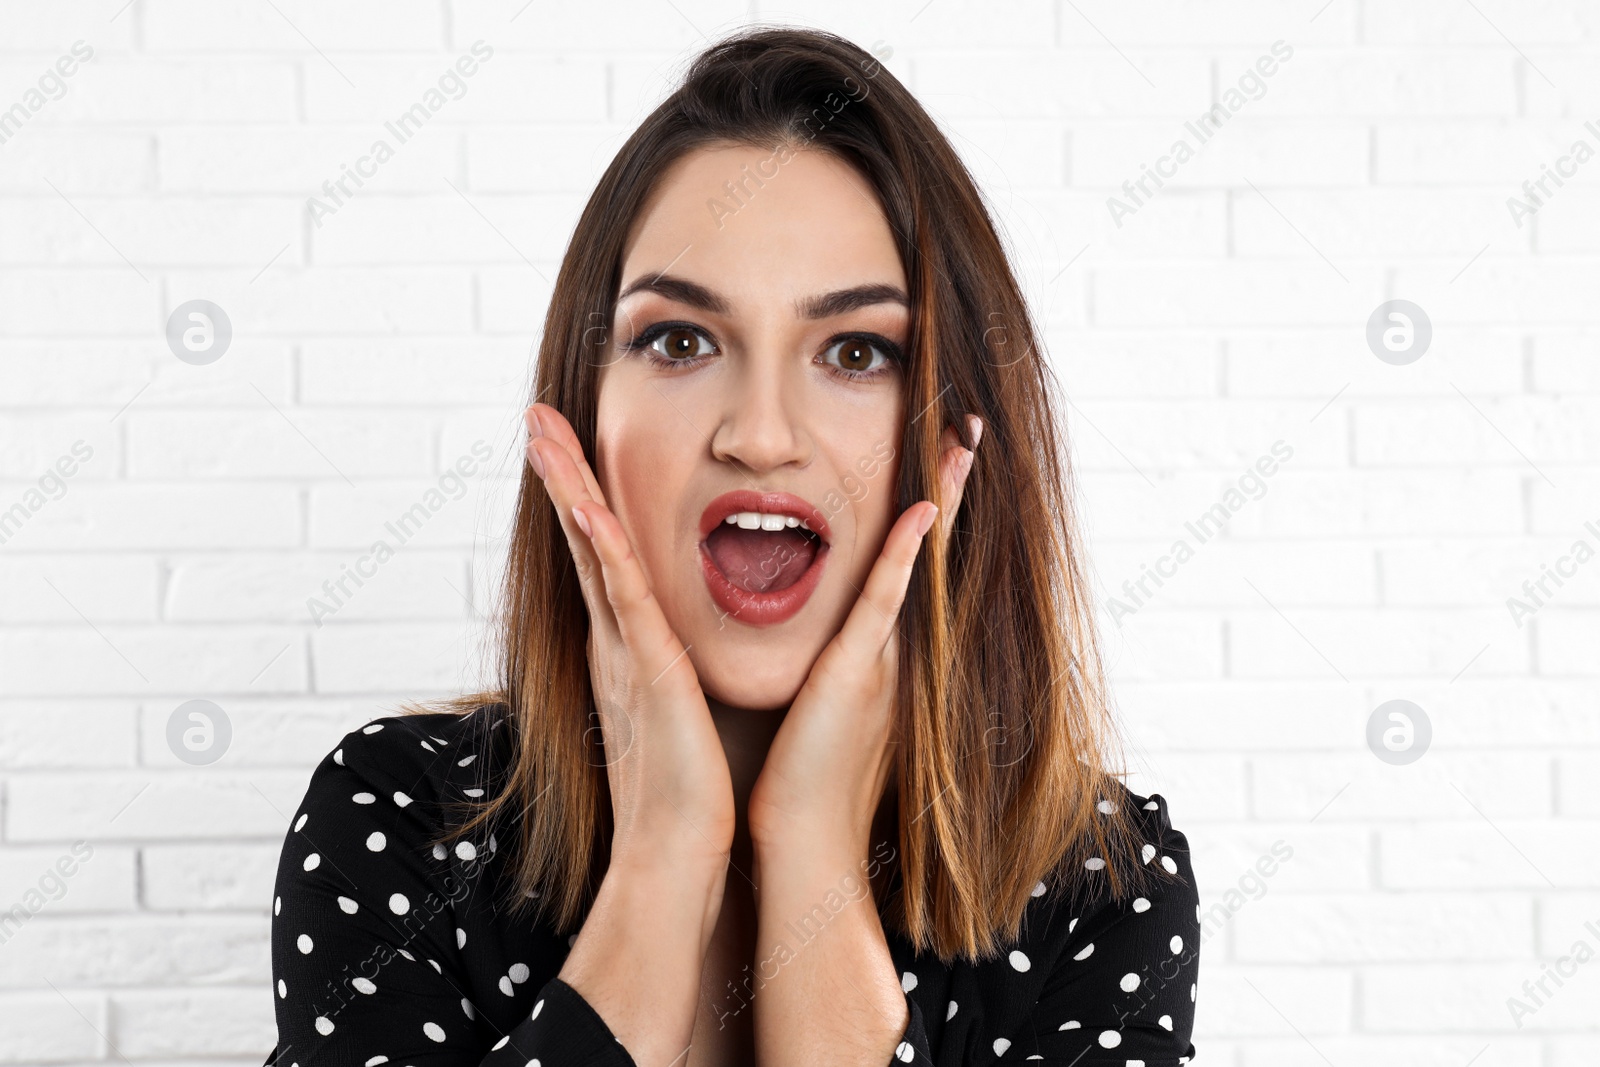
(644,630)
(545,421)
(871,621)
(565,486)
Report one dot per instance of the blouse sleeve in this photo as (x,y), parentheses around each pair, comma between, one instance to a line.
(1124,986)
(365,951)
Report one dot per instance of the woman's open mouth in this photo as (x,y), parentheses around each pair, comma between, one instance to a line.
(762,554)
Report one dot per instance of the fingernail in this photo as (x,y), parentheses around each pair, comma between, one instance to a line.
(927,520)
(977,429)
(533,458)
(583,523)
(537,429)
(966,462)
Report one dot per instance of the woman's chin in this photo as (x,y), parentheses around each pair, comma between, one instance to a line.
(740,682)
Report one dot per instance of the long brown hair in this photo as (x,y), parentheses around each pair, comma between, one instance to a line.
(1006,737)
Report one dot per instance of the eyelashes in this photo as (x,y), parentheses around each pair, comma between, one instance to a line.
(677,334)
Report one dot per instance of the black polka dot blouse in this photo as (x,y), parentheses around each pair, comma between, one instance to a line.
(386,950)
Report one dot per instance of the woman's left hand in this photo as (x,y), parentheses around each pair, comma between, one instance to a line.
(826,770)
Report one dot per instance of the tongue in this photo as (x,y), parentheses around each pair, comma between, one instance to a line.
(760,561)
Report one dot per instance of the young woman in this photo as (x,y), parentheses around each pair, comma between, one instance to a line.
(800,751)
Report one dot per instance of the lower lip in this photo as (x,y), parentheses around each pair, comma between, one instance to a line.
(762,609)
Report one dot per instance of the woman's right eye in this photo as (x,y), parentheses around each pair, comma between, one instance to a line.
(680,344)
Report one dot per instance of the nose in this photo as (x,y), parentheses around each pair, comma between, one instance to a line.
(761,424)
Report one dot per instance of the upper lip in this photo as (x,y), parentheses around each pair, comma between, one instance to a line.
(771,503)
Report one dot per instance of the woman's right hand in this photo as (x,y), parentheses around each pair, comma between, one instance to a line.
(669,780)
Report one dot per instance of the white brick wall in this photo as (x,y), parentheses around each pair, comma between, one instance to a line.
(1228,312)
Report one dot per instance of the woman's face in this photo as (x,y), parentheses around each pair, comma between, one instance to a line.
(754,372)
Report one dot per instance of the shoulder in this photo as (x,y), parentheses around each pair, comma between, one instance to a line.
(1156,871)
(419,763)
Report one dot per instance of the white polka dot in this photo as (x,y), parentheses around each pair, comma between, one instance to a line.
(364,798)
(301,821)
(1191,992)
(1071,1024)
(277,905)
(376,1060)
(374,728)
(348,906)
(1110,1039)
(498,1045)
(505,986)
(1038,890)
(1071,924)
(338,756)
(435,965)
(1134,1063)
(1197,913)
(364,985)
(434,1031)
(464,762)
(519,973)
(466,1008)
(1106,807)
(467,851)
(1020,960)
(1166,861)
(312,862)
(425,745)
(537,1008)
(1176,943)
(473,792)
(492,845)
(1085,952)
(1151,805)
(324,1025)
(1147,853)
(1094,863)
(1165,1022)
(1000,1046)
(401,799)
(440,852)
(407,955)
(399,904)
(1140,904)
(461,938)
(908,982)
(283,990)
(1129,983)
(950,1010)
(376,841)
(303,943)
(904,1052)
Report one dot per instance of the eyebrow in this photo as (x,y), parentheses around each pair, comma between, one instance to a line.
(820,306)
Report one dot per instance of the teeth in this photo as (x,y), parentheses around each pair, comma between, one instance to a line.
(759,520)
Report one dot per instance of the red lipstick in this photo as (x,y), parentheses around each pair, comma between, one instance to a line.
(759,576)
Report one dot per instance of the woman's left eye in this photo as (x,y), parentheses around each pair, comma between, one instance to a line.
(856,355)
